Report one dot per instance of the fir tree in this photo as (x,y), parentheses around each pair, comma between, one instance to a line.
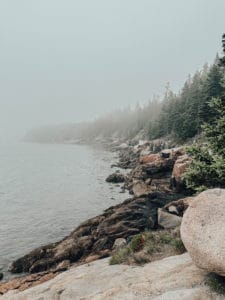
(207,169)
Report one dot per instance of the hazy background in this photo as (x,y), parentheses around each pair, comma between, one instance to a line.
(68,61)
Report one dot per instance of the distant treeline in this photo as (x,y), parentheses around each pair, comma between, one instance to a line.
(178,115)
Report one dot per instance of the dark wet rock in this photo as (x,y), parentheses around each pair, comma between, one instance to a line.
(115,178)
(178,207)
(1,276)
(97,235)
(128,158)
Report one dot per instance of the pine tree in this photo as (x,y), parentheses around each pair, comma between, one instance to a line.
(212,87)
(207,169)
(222,60)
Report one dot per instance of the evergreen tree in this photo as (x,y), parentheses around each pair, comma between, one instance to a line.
(213,87)
(207,169)
(222,60)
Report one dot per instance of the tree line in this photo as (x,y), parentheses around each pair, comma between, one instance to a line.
(179,116)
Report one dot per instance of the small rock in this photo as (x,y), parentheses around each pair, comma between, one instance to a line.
(167,220)
(165,154)
(91,258)
(172,209)
(123,146)
(1,276)
(179,207)
(115,178)
(63,266)
(119,243)
(140,188)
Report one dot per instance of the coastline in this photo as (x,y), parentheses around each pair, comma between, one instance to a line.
(85,244)
(47,191)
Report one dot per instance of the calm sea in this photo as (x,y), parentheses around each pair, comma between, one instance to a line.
(47,190)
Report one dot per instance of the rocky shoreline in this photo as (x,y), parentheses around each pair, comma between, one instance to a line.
(155,180)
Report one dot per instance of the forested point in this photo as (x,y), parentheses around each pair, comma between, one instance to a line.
(179,116)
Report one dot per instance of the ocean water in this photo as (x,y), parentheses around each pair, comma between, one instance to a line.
(47,190)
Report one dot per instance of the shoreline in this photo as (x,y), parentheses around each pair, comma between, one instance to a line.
(63,191)
(46,262)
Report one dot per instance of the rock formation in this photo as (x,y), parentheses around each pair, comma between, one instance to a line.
(175,277)
(179,169)
(97,235)
(203,230)
(149,181)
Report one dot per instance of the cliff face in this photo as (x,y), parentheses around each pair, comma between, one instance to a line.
(174,278)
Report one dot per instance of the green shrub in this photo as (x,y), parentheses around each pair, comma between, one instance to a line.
(137,242)
(178,245)
(216,283)
(165,239)
(120,256)
(151,247)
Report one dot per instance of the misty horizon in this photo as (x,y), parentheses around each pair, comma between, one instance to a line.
(73,63)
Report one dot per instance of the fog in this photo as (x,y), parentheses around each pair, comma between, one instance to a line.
(71,61)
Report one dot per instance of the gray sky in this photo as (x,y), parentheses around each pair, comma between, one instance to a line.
(69,60)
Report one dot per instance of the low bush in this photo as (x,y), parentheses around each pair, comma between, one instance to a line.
(137,242)
(120,256)
(216,283)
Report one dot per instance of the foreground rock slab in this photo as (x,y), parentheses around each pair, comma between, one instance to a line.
(203,230)
(174,278)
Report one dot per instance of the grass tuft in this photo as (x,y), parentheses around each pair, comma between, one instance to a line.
(120,256)
(137,242)
(149,246)
(216,283)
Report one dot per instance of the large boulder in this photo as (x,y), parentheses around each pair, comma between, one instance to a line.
(151,158)
(203,230)
(157,166)
(161,162)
